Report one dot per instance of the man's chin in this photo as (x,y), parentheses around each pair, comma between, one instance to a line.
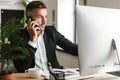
(42,29)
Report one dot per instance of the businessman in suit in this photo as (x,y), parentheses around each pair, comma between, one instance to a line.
(40,40)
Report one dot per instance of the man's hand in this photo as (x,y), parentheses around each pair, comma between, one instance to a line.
(33,30)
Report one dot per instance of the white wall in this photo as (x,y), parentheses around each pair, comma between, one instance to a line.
(65,18)
(52,9)
(103,3)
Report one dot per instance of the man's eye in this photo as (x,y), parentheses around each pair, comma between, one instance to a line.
(39,17)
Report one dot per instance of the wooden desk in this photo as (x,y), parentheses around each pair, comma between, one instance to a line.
(25,76)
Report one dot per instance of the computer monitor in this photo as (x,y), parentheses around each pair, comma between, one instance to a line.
(96,27)
(8,14)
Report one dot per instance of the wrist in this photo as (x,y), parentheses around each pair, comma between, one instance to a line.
(33,40)
(33,44)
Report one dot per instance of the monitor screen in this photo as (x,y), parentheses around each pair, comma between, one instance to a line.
(8,14)
(96,27)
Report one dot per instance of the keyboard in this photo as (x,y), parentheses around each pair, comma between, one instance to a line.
(116,73)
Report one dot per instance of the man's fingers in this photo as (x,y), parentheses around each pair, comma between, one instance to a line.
(38,29)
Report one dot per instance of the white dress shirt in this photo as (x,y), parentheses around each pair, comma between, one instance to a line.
(40,54)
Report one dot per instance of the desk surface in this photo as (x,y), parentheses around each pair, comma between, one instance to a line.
(104,76)
(25,76)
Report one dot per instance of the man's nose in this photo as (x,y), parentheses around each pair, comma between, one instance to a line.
(43,21)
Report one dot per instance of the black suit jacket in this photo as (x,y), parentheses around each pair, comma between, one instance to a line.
(51,38)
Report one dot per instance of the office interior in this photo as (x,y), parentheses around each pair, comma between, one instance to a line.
(62,16)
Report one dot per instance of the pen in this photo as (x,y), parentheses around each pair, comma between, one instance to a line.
(52,72)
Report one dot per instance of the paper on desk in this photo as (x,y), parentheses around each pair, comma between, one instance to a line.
(70,74)
(68,71)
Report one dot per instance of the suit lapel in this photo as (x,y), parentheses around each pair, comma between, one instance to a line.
(46,44)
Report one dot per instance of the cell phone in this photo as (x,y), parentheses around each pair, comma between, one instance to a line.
(29,17)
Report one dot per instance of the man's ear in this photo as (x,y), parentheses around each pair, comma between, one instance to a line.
(28,17)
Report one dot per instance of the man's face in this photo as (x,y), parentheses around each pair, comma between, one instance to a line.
(40,16)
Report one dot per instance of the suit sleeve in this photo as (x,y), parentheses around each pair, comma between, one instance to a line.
(65,44)
(26,55)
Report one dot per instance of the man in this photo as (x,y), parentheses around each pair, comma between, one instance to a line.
(40,40)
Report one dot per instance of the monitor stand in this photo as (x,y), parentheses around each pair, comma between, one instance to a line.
(116,46)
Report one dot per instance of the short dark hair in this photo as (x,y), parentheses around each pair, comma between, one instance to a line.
(35,5)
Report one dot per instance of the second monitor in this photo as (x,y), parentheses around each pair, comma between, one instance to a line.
(96,27)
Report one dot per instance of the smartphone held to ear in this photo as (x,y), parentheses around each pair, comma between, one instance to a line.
(30,18)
